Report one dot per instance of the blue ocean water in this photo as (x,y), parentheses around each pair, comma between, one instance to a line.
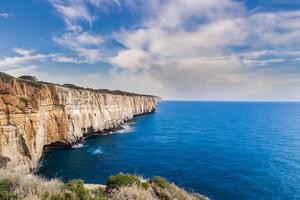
(225,150)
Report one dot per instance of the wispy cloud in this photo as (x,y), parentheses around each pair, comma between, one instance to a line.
(23,52)
(260,63)
(72,12)
(21,63)
(65,59)
(12,61)
(84,45)
(6,15)
(213,49)
(19,71)
(182,53)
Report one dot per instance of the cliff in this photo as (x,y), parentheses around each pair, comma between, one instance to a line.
(34,114)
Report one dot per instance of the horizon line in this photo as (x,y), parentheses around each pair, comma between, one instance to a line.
(242,101)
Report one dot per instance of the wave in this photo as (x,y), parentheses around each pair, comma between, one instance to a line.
(77,146)
(126,128)
(95,151)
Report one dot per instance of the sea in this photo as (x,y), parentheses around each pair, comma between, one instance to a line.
(224,150)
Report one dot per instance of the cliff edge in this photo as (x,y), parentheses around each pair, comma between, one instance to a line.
(35,114)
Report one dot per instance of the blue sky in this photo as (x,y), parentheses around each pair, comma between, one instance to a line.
(178,49)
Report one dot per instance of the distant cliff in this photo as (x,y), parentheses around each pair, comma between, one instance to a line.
(34,114)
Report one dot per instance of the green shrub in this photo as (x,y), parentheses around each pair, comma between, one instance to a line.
(11,123)
(30,78)
(120,180)
(72,86)
(99,194)
(77,186)
(161,182)
(63,196)
(24,100)
(145,185)
(6,189)
(30,82)
(5,77)
(122,186)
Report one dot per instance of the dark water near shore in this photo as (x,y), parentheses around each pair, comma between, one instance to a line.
(224,150)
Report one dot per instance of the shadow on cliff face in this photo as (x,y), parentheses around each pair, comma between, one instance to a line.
(3,161)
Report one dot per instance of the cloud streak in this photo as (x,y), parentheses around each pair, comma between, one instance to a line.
(6,15)
(13,61)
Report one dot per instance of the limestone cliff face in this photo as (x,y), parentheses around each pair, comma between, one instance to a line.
(33,115)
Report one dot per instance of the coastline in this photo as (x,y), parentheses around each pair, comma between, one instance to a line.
(35,114)
(61,145)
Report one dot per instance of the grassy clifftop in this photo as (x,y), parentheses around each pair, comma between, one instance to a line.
(14,185)
(33,81)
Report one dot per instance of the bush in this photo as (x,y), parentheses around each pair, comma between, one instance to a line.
(5,77)
(30,78)
(133,192)
(145,185)
(30,82)
(77,186)
(98,194)
(72,86)
(121,180)
(6,189)
(63,196)
(14,185)
(161,182)
(24,100)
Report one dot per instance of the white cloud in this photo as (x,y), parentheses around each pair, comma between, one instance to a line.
(190,48)
(89,39)
(24,62)
(278,28)
(23,52)
(178,13)
(131,59)
(259,63)
(84,45)
(24,70)
(199,60)
(71,11)
(6,15)
(7,62)
(65,59)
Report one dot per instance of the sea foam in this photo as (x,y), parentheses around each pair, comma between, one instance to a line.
(95,151)
(78,146)
(126,128)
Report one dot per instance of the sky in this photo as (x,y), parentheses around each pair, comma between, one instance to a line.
(178,49)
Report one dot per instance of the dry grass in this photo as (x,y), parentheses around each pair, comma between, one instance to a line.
(18,186)
(30,187)
(172,192)
(181,194)
(165,190)
(133,192)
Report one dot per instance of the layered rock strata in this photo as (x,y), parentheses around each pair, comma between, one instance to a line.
(35,114)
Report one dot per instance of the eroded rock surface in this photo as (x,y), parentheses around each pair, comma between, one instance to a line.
(35,114)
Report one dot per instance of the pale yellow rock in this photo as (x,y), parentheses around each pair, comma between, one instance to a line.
(35,115)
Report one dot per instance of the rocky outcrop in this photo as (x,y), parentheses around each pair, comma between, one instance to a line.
(35,114)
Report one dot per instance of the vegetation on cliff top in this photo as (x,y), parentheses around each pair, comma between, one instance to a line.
(33,81)
(14,185)
(6,77)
